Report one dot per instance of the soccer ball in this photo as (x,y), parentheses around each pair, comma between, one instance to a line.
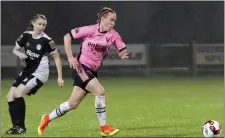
(211,128)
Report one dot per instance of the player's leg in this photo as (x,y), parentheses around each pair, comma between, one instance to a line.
(20,108)
(12,106)
(10,95)
(17,111)
(10,100)
(29,86)
(16,83)
(76,97)
(95,87)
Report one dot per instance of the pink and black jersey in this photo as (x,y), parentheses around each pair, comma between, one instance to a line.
(95,44)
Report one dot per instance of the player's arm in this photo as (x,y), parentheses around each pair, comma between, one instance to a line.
(20,42)
(51,49)
(68,45)
(18,53)
(123,53)
(58,63)
(121,48)
(75,33)
(80,32)
(68,48)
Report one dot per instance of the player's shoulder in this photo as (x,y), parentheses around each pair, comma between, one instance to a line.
(28,32)
(93,26)
(45,36)
(114,32)
(91,29)
(48,39)
(87,27)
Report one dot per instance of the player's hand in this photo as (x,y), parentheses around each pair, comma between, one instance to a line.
(74,63)
(22,55)
(124,54)
(60,82)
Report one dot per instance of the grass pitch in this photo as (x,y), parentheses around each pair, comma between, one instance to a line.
(158,106)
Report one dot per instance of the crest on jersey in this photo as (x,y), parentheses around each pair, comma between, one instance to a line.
(28,44)
(38,47)
(52,43)
(107,39)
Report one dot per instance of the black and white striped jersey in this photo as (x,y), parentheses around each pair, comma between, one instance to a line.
(37,49)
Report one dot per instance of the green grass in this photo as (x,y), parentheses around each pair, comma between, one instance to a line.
(163,106)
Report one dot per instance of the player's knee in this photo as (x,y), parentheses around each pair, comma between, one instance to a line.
(101,92)
(73,105)
(18,94)
(10,96)
(21,91)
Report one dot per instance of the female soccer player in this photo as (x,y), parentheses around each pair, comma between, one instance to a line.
(36,45)
(95,46)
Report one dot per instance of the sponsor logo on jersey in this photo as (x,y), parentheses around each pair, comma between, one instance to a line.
(32,54)
(97,47)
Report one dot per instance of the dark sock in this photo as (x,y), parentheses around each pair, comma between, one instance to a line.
(21,109)
(12,112)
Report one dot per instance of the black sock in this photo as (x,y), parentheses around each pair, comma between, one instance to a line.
(12,113)
(21,109)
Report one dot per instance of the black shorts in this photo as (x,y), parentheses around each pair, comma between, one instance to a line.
(19,79)
(81,79)
(31,82)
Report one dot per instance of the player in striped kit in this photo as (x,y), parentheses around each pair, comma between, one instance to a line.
(37,45)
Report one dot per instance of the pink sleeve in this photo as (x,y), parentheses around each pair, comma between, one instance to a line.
(118,42)
(81,32)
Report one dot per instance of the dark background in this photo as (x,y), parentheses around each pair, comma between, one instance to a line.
(138,22)
(148,22)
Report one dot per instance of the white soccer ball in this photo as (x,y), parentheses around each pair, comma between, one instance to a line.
(211,128)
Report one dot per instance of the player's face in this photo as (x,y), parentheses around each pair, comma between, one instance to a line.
(109,22)
(39,25)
